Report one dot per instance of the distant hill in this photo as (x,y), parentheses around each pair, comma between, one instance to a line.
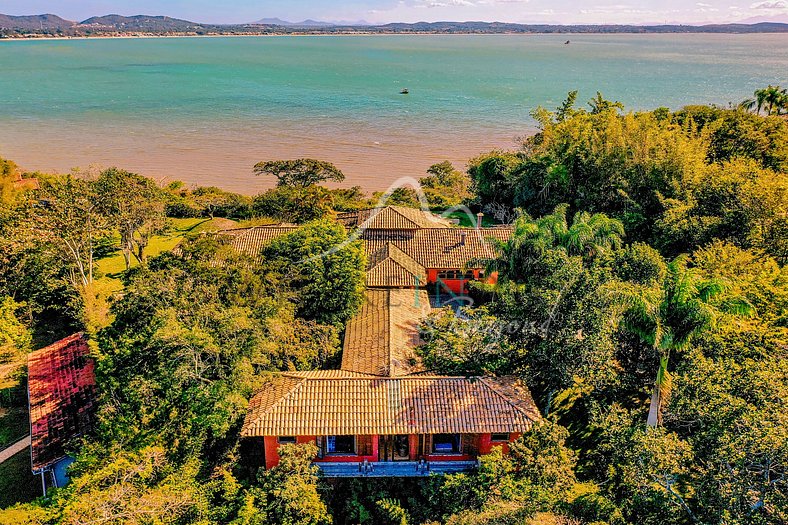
(34,22)
(142,23)
(285,23)
(51,25)
(273,22)
(502,27)
(780,19)
(311,23)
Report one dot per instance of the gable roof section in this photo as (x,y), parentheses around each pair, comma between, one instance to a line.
(439,248)
(61,392)
(392,217)
(315,405)
(389,266)
(381,339)
(250,241)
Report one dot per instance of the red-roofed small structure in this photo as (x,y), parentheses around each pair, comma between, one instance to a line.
(61,393)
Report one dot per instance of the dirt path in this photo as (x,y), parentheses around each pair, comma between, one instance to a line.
(14,449)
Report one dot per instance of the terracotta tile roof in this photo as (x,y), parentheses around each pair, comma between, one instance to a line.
(251,241)
(392,217)
(299,406)
(391,267)
(61,391)
(438,248)
(381,339)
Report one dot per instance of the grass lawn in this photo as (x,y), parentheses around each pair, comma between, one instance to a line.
(113,266)
(13,425)
(467,222)
(17,483)
(13,403)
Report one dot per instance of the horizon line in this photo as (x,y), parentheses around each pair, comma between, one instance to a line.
(363,23)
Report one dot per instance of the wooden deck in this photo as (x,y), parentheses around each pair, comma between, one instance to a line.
(398,469)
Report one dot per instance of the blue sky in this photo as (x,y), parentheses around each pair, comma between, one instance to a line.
(527,11)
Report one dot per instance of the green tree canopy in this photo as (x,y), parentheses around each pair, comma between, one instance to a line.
(134,206)
(299,173)
(324,266)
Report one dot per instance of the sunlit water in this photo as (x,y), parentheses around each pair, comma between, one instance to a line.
(204,110)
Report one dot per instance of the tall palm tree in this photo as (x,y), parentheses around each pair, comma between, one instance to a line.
(670,316)
(588,235)
(773,98)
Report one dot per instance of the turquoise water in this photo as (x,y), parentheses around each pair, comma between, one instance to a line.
(204,110)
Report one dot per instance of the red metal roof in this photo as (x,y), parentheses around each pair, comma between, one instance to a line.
(62,393)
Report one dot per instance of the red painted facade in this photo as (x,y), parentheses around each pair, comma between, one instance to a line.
(482,443)
(447,281)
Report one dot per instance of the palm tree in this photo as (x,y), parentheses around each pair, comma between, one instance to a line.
(773,98)
(669,317)
(588,235)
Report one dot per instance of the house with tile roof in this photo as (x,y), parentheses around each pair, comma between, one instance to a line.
(62,400)
(383,413)
(406,248)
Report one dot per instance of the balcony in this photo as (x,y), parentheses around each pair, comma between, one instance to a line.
(397,469)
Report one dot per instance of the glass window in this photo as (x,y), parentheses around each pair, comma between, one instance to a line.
(401,447)
(286,440)
(446,443)
(341,444)
(499,436)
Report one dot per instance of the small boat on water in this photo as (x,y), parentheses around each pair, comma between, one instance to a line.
(567,43)
(404,91)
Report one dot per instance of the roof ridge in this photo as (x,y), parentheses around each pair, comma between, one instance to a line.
(389,329)
(396,209)
(391,252)
(301,381)
(387,334)
(373,377)
(507,399)
(62,342)
(401,253)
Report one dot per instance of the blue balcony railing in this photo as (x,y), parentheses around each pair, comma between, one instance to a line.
(394,469)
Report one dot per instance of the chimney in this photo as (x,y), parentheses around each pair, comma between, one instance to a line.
(479,217)
(463,235)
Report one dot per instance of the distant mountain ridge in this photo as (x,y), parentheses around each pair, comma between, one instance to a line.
(311,23)
(34,22)
(285,23)
(141,23)
(53,25)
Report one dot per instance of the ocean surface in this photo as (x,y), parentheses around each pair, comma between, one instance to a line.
(204,110)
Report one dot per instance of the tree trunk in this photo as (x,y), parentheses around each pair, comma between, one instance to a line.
(653,411)
(549,403)
(126,250)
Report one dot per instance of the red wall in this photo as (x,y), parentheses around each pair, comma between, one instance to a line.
(272,454)
(485,447)
(486,443)
(457,286)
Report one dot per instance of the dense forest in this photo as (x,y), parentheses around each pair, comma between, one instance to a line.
(643,298)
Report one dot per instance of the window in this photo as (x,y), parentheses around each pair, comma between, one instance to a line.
(500,436)
(453,275)
(286,440)
(341,444)
(446,444)
(401,447)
